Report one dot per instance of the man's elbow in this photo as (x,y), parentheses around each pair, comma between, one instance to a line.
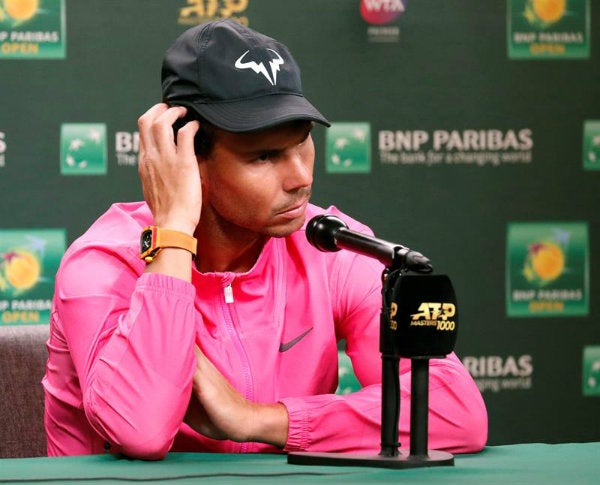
(133,436)
(471,432)
(141,448)
(477,433)
(463,431)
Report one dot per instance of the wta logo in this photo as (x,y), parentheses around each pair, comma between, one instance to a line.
(381,12)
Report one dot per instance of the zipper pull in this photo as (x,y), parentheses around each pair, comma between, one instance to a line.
(228,290)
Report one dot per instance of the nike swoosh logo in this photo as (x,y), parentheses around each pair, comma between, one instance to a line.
(283,347)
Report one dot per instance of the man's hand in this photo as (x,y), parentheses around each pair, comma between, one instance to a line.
(219,411)
(169,172)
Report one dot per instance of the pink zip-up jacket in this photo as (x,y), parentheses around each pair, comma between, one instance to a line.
(121,349)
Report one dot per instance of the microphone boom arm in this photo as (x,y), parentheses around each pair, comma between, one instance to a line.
(393,256)
(329,233)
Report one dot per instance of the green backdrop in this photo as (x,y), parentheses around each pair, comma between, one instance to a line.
(471,133)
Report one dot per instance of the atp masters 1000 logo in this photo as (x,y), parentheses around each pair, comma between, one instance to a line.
(32,29)
(29,259)
(199,11)
(547,269)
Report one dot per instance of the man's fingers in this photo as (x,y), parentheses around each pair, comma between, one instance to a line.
(156,125)
(162,127)
(145,121)
(185,137)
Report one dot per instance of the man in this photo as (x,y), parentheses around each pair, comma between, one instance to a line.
(223,335)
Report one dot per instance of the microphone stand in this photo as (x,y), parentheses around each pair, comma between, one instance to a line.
(419,455)
(390,456)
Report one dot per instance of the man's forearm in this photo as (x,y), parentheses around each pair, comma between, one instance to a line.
(270,424)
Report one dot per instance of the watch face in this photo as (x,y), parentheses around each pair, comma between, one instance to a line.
(146,240)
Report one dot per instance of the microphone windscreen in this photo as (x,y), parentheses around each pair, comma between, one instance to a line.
(320,232)
(423,316)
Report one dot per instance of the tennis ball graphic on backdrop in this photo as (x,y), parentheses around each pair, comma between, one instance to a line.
(549,10)
(21,269)
(542,13)
(544,263)
(21,9)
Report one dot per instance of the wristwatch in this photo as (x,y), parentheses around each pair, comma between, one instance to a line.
(155,238)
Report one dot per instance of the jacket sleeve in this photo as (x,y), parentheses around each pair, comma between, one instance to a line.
(131,338)
(352,423)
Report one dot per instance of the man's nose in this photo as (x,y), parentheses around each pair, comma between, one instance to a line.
(298,171)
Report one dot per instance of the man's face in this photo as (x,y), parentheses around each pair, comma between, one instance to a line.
(260,181)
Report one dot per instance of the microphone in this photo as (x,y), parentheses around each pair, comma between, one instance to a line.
(418,320)
(329,233)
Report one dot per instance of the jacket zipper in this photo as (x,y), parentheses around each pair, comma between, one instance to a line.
(228,300)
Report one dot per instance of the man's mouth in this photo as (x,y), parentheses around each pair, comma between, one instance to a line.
(295,210)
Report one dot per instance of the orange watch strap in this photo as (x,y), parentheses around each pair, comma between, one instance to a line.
(168,238)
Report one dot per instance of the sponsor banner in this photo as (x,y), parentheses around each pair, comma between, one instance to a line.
(495,373)
(29,259)
(547,269)
(127,148)
(591,370)
(348,147)
(32,29)
(458,148)
(381,17)
(548,29)
(591,145)
(195,12)
(83,149)
(347,381)
(3,148)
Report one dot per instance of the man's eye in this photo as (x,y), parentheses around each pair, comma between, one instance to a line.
(266,156)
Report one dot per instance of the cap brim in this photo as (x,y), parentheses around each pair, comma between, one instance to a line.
(257,113)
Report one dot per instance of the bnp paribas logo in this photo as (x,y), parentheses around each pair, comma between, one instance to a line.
(591,145)
(83,149)
(547,269)
(32,29)
(29,259)
(348,148)
(591,370)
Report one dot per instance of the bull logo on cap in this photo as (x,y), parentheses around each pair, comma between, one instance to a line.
(259,67)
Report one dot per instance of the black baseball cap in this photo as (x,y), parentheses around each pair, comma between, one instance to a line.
(236,78)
